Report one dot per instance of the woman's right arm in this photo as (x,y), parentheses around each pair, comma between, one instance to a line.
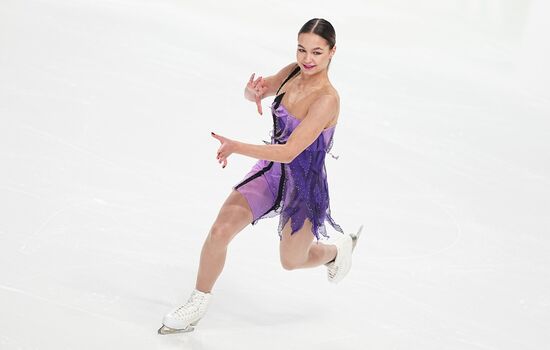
(260,88)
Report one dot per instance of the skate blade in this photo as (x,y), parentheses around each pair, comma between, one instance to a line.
(359,231)
(355,237)
(164,330)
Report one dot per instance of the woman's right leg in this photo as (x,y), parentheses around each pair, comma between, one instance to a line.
(234,215)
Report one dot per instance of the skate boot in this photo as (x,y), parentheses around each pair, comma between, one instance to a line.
(340,266)
(184,318)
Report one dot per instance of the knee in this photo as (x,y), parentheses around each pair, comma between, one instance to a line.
(291,262)
(220,235)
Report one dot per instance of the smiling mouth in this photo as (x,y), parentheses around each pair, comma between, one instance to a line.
(308,66)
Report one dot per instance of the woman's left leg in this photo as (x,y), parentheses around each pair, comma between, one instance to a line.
(298,250)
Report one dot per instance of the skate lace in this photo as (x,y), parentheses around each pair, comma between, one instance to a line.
(191,307)
(332,269)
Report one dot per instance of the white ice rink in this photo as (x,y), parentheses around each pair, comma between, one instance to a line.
(109,180)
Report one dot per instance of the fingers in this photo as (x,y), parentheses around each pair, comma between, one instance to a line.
(259,92)
(220,156)
(260,109)
(259,89)
(217,137)
(221,159)
(259,104)
(259,81)
(254,83)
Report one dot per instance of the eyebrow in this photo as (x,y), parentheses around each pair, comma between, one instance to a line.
(313,49)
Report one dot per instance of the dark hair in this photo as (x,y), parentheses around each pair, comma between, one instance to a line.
(323,28)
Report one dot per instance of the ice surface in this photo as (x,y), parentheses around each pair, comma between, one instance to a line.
(109,182)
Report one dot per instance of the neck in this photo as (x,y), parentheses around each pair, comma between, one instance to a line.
(317,79)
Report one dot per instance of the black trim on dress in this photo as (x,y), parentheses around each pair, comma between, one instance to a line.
(258,174)
(276,102)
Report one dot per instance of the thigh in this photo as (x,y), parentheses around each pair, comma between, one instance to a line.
(234,215)
(260,188)
(297,245)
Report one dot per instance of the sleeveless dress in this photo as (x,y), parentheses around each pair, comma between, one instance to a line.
(297,190)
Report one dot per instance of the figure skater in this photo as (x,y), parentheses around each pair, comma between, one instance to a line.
(289,178)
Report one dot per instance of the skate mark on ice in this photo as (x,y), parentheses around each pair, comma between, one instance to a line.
(20,191)
(57,303)
(24,247)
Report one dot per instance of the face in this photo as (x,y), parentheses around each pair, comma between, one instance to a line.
(313,53)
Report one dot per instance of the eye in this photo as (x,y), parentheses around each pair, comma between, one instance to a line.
(317,53)
(301,50)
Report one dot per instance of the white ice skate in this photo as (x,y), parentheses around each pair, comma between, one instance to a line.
(184,318)
(339,267)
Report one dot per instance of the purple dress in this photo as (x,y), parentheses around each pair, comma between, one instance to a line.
(297,190)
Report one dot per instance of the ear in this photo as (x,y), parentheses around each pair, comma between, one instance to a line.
(333,51)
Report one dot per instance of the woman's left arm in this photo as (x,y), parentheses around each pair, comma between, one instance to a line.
(320,113)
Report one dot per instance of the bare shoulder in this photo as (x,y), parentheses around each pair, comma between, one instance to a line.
(328,99)
(328,92)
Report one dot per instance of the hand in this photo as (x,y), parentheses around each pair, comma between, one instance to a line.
(256,88)
(227,147)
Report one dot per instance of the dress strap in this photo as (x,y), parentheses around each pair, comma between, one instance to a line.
(294,72)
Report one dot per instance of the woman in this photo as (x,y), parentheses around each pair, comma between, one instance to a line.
(289,179)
